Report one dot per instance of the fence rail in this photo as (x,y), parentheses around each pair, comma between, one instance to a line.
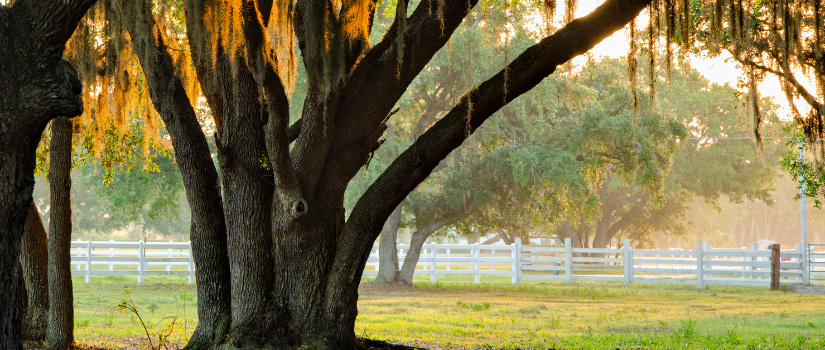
(700,267)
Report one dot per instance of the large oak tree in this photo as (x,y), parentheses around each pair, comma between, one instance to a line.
(278,261)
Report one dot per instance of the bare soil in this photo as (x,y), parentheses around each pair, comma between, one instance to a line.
(806,289)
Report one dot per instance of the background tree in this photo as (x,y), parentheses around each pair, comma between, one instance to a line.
(703,166)
(627,196)
(132,203)
(60,333)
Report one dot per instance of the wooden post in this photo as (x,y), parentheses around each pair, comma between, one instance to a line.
(88,261)
(433,263)
(775,259)
(191,266)
(628,262)
(516,256)
(169,262)
(568,260)
(477,256)
(752,261)
(140,261)
(700,266)
(803,259)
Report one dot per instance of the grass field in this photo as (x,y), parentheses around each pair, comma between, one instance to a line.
(455,313)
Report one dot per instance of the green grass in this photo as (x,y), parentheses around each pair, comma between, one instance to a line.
(454,312)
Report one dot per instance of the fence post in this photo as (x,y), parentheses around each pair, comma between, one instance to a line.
(477,256)
(111,255)
(628,262)
(493,255)
(700,266)
(753,260)
(803,258)
(568,260)
(88,261)
(707,249)
(775,259)
(433,262)
(191,264)
(79,254)
(140,261)
(449,255)
(169,262)
(516,258)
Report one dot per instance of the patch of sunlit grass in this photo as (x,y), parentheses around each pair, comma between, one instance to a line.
(594,316)
(455,312)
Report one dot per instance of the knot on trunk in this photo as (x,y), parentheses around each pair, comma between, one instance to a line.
(300,207)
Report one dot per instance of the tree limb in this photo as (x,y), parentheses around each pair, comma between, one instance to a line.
(263,64)
(52,21)
(789,77)
(417,162)
(628,217)
(192,155)
(370,91)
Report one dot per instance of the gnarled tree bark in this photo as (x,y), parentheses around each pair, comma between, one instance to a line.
(35,262)
(200,178)
(37,87)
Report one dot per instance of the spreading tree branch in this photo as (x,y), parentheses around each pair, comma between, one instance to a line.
(628,217)
(381,77)
(263,63)
(418,161)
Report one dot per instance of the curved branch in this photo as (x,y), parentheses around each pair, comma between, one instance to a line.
(418,161)
(789,77)
(380,78)
(263,64)
(52,21)
(628,217)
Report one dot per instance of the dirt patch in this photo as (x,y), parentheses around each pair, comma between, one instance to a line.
(806,289)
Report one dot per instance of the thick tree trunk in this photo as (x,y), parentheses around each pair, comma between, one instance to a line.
(60,334)
(35,261)
(16,184)
(247,203)
(200,178)
(36,87)
(387,248)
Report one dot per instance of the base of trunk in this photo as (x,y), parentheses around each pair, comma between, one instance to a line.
(397,280)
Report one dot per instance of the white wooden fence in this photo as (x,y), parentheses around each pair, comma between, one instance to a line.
(700,267)
(132,258)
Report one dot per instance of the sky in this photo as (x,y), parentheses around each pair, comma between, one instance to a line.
(717,70)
